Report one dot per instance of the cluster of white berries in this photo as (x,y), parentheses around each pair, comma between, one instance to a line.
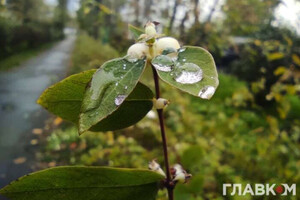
(177,172)
(142,49)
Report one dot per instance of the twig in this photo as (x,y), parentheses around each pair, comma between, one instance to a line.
(168,184)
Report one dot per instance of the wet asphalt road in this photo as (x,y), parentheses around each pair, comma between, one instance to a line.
(19,113)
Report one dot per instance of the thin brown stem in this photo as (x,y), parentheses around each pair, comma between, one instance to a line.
(169,185)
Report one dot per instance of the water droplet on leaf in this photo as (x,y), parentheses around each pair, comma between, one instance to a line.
(163,63)
(119,99)
(132,59)
(188,73)
(181,50)
(207,92)
(168,51)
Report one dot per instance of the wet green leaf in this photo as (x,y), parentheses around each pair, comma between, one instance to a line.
(81,183)
(136,32)
(64,99)
(134,108)
(194,71)
(108,89)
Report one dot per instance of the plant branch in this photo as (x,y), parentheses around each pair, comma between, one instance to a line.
(169,185)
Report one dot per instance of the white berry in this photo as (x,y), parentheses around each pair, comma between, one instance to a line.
(164,43)
(138,50)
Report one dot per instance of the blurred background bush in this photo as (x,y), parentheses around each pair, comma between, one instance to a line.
(248,133)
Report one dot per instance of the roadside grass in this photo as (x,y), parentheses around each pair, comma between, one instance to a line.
(17,59)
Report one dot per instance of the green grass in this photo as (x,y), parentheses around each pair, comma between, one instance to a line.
(17,59)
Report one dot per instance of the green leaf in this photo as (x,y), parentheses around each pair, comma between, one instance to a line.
(135,107)
(193,72)
(108,89)
(81,183)
(136,32)
(64,99)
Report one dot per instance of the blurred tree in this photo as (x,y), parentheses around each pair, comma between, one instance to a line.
(212,11)
(147,9)
(196,11)
(61,16)
(255,14)
(26,10)
(136,7)
(89,17)
(176,4)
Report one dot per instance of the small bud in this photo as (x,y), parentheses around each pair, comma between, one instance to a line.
(138,50)
(154,166)
(166,43)
(160,103)
(150,29)
(179,174)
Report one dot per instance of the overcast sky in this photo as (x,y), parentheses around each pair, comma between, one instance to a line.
(287,14)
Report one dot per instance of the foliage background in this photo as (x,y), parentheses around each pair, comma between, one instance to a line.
(248,133)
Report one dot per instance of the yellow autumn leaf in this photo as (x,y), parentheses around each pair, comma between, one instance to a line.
(86,10)
(275,56)
(105,9)
(296,59)
(280,70)
(291,89)
(289,41)
(257,42)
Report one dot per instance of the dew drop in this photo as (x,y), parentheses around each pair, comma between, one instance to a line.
(181,50)
(119,99)
(117,84)
(188,73)
(126,87)
(207,92)
(184,60)
(131,58)
(169,50)
(163,63)
(124,66)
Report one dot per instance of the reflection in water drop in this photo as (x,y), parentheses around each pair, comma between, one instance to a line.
(169,50)
(163,63)
(131,58)
(189,73)
(181,50)
(119,99)
(207,92)
(124,66)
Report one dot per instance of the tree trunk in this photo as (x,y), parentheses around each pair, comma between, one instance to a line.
(173,16)
(136,12)
(96,24)
(147,9)
(182,26)
(196,11)
(212,11)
